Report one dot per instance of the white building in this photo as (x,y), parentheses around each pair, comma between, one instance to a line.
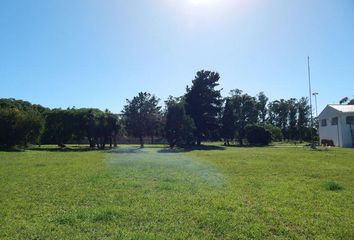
(336,123)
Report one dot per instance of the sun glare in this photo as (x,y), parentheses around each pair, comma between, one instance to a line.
(194,13)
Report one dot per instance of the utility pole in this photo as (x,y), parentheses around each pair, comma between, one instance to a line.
(310,94)
(315,94)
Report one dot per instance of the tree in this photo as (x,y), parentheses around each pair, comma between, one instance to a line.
(20,122)
(155,125)
(279,115)
(203,103)
(179,127)
(293,110)
(245,108)
(257,135)
(90,122)
(344,100)
(59,126)
(303,121)
(262,107)
(274,131)
(19,127)
(113,127)
(139,115)
(228,127)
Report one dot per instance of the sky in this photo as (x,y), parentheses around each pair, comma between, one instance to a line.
(98,53)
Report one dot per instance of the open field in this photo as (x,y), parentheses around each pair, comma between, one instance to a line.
(154,193)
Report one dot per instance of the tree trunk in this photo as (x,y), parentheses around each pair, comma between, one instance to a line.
(92,143)
(115,140)
(98,143)
(141,141)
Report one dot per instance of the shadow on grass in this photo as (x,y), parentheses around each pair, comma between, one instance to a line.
(247,146)
(171,150)
(192,148)
(11,149)
(126,150)
(66,149)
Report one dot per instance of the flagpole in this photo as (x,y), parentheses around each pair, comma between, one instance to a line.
(310,95)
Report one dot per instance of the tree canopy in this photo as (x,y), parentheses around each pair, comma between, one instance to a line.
(141,114)
(204,102)
(201,114)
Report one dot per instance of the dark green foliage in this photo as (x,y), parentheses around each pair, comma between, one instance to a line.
(59,126)
(279,114)
(304,121)
(20,123)
(141,115)
(228,127)
(179,127)
(257,135)
(103,128)
(285,119)
(274,131)
(6,103)
(198,117)
(96,126)
(293,111)
(262,107)
(203,103)
(333,186)
(292,117)
(23,123)
(344,100)
(246,112)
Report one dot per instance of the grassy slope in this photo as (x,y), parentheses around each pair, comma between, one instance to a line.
(236,193)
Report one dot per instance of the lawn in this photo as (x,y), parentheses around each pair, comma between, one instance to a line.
(279,192)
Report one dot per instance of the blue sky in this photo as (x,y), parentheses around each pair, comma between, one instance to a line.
(98,53)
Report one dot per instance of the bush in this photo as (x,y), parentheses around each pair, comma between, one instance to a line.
(179,127)
(333,186)
(275,132)
(258,135)
(18,127)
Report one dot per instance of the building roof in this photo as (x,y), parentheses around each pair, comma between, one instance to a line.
(343,108)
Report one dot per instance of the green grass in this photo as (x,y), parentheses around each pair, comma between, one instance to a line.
(279,192)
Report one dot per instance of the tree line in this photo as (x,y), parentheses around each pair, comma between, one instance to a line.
(201,114)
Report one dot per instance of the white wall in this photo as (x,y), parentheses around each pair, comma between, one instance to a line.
(340,134)
(346,135)
(331,132)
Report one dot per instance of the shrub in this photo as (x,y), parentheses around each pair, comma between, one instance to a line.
(258,135)
(333,186)
(274,131)
(18,127)
(179,127)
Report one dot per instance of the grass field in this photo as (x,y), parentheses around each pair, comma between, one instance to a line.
(279,192)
